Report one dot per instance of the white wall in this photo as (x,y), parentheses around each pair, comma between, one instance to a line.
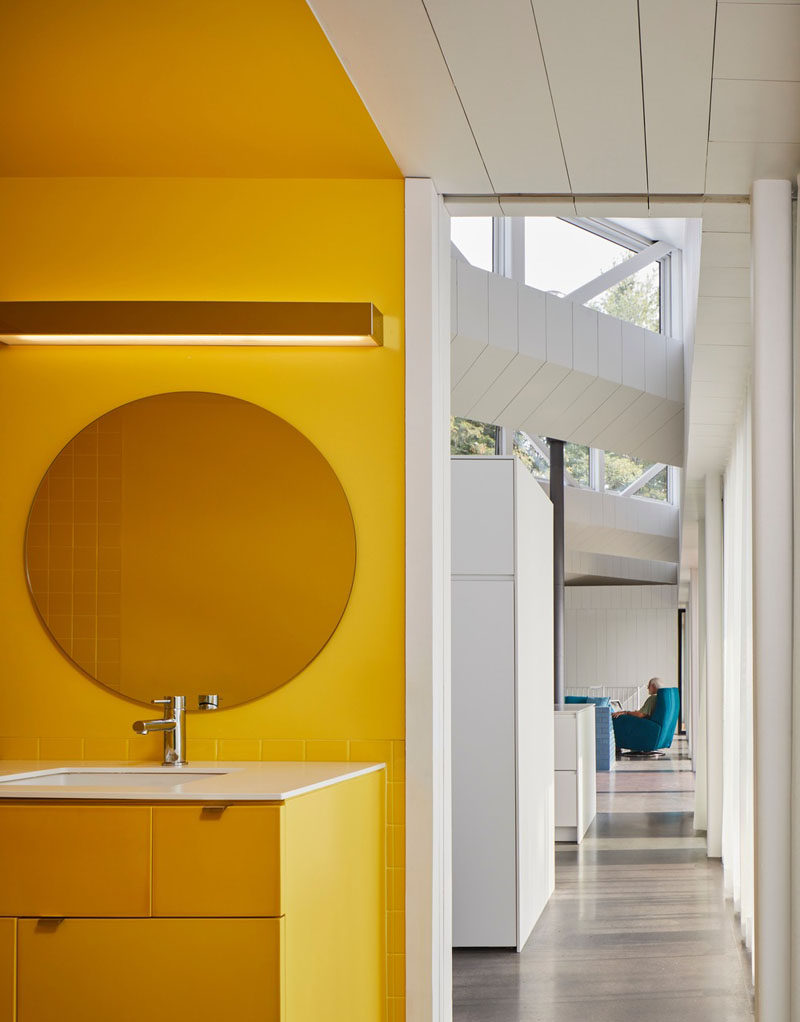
(621,635)
(428,810)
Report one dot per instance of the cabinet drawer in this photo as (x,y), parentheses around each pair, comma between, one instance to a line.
(211,861)
(8,969)
(68,860)
(205,970)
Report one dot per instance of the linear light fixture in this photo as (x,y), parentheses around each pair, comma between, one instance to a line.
(329,324)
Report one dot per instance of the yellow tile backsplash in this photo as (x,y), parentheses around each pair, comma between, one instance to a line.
(61,748)
(19,748)
(239,749)
(327,751)
(105,748)
(276,749)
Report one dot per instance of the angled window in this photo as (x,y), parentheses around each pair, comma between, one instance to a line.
(576,463)
(636,299)
(470,437)
(623,473)
(561,256)
(657,488)
(473,237)
(534,453)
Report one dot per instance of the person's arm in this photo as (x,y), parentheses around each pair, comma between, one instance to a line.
(629,713)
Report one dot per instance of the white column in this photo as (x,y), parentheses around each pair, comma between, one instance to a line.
(701,774)
(714,692)
(694,661)
(428,831)
(772,592)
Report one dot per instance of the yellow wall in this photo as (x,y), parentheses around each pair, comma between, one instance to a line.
(166,88)
(207,239)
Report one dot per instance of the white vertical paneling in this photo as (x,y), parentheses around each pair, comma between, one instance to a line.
(500,349)
(559,330)
(532,316)
(609,339)
(674,370)
(633,356)
(584,340)
(473,319)
(621,635)
(655,363)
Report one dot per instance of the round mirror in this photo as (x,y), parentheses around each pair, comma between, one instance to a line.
(190,543)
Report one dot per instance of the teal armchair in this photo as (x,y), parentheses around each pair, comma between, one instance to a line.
(646,734)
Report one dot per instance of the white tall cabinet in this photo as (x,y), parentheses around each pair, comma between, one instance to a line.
(502,702)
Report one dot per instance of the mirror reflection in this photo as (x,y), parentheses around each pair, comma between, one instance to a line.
(190,543)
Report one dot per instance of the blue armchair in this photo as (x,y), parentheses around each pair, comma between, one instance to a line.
(604,732)
(646,734)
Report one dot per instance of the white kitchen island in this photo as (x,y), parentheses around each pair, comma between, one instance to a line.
(576,778)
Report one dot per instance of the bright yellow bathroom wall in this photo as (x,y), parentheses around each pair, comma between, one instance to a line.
(152,238)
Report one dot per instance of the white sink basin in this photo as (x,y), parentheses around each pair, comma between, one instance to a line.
(167,777)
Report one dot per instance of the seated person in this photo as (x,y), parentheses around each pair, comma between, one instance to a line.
(653,685)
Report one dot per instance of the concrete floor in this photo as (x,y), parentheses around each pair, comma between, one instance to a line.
(638,927)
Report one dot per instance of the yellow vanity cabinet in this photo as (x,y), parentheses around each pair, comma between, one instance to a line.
(8,969)
(63,859)
(258,912)
(218,860)
(126,970)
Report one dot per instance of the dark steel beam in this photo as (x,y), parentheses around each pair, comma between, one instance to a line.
(557,497)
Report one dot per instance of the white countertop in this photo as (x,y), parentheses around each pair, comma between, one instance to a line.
(148,782)
(574,708)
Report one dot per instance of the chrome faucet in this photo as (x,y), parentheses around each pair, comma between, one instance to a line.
(173,724)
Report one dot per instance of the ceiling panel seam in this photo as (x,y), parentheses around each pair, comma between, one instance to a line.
(644,104)
(458,94)
(711,90)
(550,91)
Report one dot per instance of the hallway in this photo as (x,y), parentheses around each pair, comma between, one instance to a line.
(637,928)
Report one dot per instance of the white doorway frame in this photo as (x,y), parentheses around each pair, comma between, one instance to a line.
(427,459)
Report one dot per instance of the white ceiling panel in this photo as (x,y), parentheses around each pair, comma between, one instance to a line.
(733,166)
(725,281)
(493,53)
(755,111)
(591,52)
(392,57)
(760,41)
(677,35)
